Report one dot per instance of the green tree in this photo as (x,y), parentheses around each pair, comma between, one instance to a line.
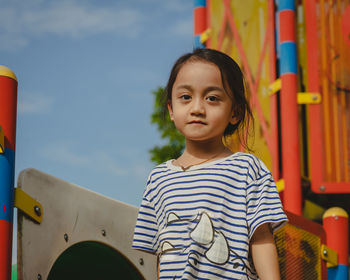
(175,142)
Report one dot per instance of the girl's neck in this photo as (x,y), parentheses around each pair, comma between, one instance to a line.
(203,149)
(196,153)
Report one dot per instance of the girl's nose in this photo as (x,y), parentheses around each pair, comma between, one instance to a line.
(197,107)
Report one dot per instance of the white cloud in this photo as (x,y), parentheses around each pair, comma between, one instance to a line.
(35,104)
(63,152)
(66,152)
(183,28)
(110,165)
(71,18)
(178,6)
(21,21)
(10,42)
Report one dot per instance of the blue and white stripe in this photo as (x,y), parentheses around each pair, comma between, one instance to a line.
(236,192)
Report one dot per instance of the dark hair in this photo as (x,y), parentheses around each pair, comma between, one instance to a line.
(233,82)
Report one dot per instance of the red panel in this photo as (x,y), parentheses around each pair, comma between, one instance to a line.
(316,125)
(5,249)
(8,110)
(334,187)
(306,224)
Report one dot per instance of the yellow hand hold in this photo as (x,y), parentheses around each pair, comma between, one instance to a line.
(275,86)
(309,98)
(205,35)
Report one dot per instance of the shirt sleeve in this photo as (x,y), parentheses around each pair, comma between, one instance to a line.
(263,201)
(146,229)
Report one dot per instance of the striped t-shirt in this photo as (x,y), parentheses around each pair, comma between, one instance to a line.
(200,221)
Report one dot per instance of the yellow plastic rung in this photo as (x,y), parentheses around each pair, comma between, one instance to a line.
(309,98)
(28,205)
(2,141)
(329,255)
(303,97)
(275,86)
(205,35)
(280,185)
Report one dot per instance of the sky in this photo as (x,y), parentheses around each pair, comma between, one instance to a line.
(86,70)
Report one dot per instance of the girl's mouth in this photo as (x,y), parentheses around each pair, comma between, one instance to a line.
(197,122)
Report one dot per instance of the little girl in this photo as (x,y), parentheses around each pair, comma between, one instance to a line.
(210,213)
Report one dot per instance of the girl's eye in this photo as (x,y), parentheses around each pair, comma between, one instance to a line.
(212,98)
(185,97)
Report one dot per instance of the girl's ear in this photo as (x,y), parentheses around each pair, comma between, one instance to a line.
(170,109)
(233,119)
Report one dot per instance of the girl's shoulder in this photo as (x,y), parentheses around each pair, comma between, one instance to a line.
(159,170)
(161,167)
(252,162)
(246,157)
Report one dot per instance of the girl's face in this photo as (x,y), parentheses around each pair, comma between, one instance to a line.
(200,106)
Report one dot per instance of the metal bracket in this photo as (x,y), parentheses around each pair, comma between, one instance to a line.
(2,141)
(309,98)
(303,97)
(329,255)
(205,35)
(28,205)
(275,86)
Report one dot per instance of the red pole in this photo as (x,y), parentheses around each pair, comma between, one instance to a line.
(8,112)
(335,223)
(273,98)
(289,108)
(313,82)
(200,22)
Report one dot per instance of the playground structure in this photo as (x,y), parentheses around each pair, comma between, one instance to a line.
(82,235)
(64,231)
(294,55)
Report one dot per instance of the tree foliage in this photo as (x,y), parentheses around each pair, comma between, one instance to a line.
(174,140)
